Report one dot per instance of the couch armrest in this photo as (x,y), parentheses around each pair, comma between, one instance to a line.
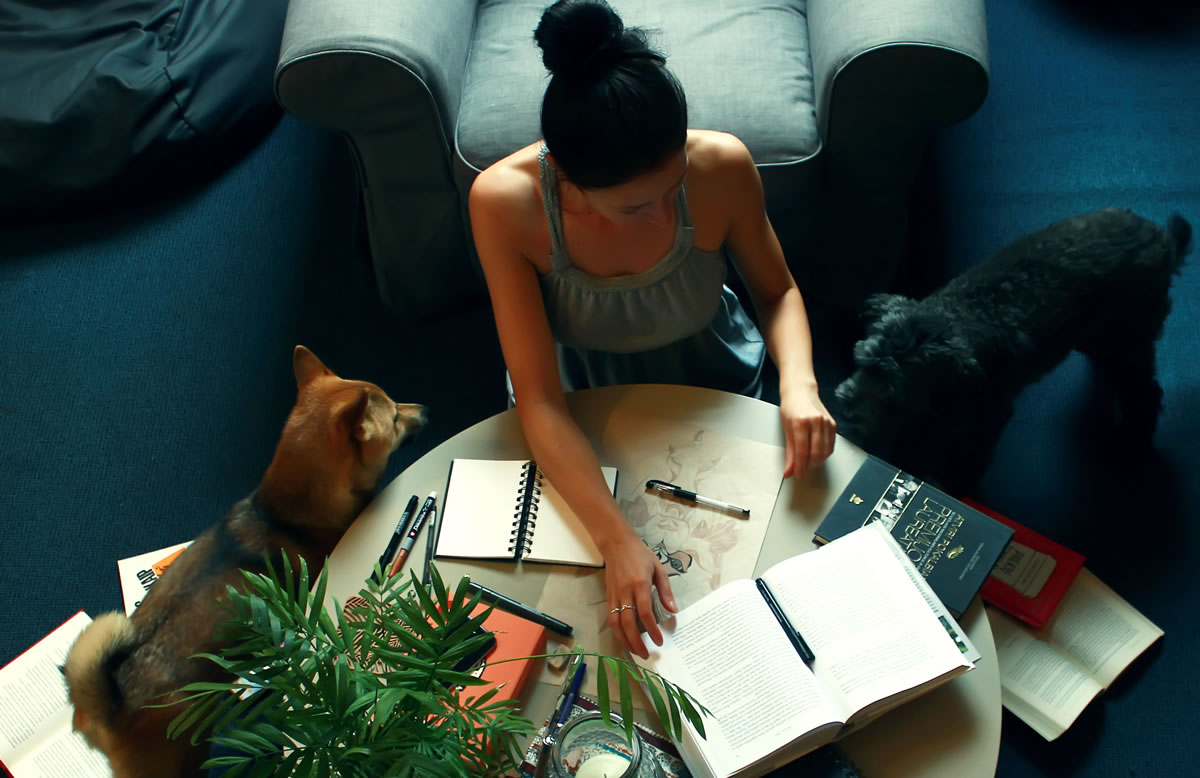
(887,73)
(915,64)
(340,61)
(388,75)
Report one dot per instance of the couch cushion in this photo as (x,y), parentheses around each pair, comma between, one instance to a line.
(744,65)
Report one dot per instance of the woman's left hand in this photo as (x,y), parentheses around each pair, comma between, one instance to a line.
(809,429)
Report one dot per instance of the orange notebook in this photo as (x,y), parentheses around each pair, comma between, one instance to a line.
(515,637)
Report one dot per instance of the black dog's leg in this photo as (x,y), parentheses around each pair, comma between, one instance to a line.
(979,447)
(1128,366)
(954,455)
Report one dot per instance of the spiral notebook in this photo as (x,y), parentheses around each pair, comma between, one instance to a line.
(506,509)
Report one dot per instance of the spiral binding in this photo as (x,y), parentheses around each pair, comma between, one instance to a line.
(529,496)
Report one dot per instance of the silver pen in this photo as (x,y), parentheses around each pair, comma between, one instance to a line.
(685,494)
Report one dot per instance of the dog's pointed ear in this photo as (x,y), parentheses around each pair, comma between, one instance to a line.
(367,423)
(306,366)
(877,306)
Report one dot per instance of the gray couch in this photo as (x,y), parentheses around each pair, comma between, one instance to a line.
(834,98)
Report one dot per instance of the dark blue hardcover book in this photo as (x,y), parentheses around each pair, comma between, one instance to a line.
(953,545)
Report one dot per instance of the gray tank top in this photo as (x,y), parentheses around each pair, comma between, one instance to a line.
(674,323)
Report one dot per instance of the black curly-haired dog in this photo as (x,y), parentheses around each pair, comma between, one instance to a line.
(936,378)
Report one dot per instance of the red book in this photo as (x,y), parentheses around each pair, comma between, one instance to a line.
(1032,574)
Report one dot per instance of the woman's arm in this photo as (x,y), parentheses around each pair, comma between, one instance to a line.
(809,428)
(558,444)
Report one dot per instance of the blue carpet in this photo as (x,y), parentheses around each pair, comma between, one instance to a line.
(146,368)
(145,372)
(1090,106)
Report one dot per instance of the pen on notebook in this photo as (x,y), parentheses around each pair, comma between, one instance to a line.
(411,538)
(385,558)
(684,494)
(520,609)
(797,641)
(568,701)
(431,546)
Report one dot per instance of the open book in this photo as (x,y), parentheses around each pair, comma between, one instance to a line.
(139,573)
(876,640)
(1048,676)
(36,739)
(506,509)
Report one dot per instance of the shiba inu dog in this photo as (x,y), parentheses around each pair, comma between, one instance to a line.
(334,448)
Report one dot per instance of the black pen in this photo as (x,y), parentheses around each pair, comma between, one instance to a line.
(685,494)
(797,642)
(411,538)
(385,558)
(521,609)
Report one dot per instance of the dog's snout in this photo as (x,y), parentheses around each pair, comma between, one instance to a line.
(414,415)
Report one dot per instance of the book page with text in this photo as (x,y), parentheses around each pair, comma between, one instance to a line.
(729,652)
(36,739)
(872,633)
(1097,629)
(478,508)
(1039,685)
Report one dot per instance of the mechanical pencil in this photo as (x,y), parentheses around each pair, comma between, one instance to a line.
(431,546)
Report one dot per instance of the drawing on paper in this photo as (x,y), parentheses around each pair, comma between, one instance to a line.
(676,562)
(702,547)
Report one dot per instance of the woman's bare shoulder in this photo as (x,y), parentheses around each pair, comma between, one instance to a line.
(506,205)
(721,174)
(510,184)
(710,151)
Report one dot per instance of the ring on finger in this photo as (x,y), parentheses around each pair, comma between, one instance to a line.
(623,608)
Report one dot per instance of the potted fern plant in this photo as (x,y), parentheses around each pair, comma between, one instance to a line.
(374,690)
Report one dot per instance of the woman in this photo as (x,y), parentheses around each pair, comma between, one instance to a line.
(601,270)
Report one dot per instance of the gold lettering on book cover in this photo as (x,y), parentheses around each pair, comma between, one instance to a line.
(927,538)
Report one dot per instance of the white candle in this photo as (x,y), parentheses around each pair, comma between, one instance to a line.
(603,766)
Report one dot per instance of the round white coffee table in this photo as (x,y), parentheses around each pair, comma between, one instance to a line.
(953,731)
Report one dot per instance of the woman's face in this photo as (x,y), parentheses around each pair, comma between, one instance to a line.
(644,199)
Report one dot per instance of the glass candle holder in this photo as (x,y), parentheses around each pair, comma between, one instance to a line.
(587,747)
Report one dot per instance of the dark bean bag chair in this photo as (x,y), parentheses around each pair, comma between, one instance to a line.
(98,95)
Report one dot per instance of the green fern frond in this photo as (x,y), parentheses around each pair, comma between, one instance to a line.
(372,690)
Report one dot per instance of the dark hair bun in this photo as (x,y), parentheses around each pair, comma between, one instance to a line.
(584,38)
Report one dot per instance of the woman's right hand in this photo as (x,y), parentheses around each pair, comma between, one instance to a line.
(631,570)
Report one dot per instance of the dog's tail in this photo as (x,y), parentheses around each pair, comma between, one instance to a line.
(1181,233)
(91,668)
